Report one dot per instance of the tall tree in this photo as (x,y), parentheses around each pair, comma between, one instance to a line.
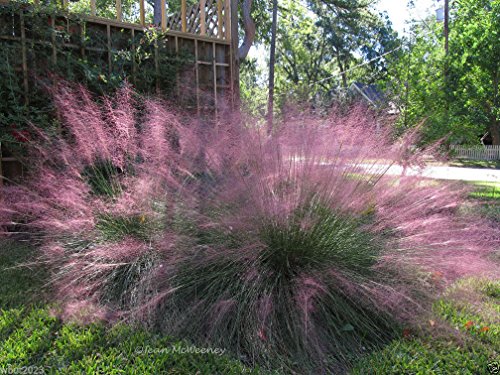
(304,58)
(475,61)
(456,93)
(353,29)
(272,61)
(315,52)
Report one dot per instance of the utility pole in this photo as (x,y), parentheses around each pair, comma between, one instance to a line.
(446,57)
(446,24)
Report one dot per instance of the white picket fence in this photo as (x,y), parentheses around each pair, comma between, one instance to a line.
(477,152)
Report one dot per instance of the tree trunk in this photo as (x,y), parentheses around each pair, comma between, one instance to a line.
(235,61)
(157,13)
(249,28)
(272,61)
(495,123)
(495,132)
(240,52)
(342,72)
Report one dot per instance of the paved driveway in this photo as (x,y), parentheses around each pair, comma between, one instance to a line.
(445,173)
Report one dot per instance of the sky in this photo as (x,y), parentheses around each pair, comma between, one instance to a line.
(399,13)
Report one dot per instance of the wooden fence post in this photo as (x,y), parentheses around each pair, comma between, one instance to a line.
(183,16)
(203,17)
(227,21)
(141,11)
(110,56)
(119,10)
(163,15)
(219,19)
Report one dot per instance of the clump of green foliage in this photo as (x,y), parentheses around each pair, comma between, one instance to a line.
(67,48)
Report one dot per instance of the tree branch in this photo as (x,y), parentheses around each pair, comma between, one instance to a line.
(249,27)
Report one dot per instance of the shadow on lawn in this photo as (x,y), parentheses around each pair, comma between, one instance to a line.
(20,284)
(475,164)
(33,339)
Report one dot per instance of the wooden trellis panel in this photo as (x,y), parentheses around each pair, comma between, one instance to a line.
(207,77)
(215,23)
(106,38)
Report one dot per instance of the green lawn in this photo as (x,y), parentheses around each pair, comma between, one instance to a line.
(486,191)
(460,337)
(33,337)
(30,335)
(485,199)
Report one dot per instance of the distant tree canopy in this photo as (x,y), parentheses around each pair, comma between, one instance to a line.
(327,40)
(318,42)
(325,46)
(475,63)
(457,94)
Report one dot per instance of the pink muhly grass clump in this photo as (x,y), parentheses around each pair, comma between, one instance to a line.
(294,249)
(96,194)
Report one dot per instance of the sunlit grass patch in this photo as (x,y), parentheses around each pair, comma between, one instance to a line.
(40,340)
(462,337)
(473,306)
(486,198)
(486,190)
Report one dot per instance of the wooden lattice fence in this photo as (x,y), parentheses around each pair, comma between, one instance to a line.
(208,17)
(197,37)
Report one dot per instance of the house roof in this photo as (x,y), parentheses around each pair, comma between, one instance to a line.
(370,92)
